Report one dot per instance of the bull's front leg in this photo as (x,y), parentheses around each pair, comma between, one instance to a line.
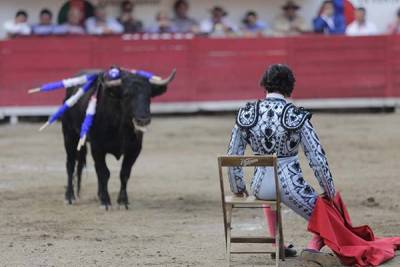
(103,175)
(127,164)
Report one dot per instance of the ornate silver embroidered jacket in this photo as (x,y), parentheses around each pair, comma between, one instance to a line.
(273,126)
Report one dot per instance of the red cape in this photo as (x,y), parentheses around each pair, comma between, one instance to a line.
(355,246)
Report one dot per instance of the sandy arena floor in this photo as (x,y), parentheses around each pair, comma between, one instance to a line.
(175,214)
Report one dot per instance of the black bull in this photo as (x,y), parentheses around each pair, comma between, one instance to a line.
(122,113)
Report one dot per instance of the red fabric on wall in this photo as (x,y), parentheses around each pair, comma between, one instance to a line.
(348,12)
(207,69)
(355,246)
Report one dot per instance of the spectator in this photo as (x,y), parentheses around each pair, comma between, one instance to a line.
(394,28)
(360,26)
(128,21)
(252,26)
(84,6)
(73,25)
(163,24)
(45,25)
(217,24)
(182,22)
(101,24)
(289,22)
(19,25)
(331,19)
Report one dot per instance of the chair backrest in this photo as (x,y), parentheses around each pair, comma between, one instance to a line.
(248,161)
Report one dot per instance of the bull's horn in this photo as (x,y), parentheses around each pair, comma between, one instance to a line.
(162,82)
(34,90)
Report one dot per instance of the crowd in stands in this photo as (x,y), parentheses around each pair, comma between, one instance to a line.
(83,18)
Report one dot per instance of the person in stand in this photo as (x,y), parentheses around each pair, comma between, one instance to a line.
(361,26)
(290,23)
(85,7)
(331,20)
(252,26)
(163,24)
(218,24)
(394,27)
(73,25)
(102,24)
(45,25)
(19,25)
(127,19)
(182,22)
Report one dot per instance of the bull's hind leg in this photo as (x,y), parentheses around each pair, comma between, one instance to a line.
(127,164)
(103,175)
(81,165)
(70,143)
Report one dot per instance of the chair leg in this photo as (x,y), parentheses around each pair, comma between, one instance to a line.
(278,249)
(281,239)
(225,223)
(228,232)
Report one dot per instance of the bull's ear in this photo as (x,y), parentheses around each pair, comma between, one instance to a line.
(157,90)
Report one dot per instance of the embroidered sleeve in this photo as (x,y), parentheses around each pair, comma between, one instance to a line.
(317,158)
(237,146)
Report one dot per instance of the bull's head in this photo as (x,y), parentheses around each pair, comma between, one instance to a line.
(135,93)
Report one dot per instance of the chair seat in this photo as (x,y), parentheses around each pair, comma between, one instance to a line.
(251,200)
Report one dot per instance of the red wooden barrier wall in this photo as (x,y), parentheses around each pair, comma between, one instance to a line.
(208,69)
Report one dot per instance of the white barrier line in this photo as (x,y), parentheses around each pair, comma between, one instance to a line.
(220,106)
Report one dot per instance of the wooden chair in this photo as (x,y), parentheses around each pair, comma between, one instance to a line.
(230,202)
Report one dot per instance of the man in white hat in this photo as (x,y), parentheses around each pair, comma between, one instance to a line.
(218,24)
(290,23)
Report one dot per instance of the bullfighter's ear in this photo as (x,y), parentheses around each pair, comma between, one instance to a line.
(158,90)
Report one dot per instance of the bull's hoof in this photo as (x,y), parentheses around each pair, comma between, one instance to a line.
(123,203)
(70,202)
(123,200)
(105,202)
(106,207)
(69,198)
(123,206)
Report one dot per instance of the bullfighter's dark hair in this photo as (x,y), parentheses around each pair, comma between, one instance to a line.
(278,78)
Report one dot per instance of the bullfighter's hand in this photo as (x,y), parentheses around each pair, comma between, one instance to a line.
(242,194)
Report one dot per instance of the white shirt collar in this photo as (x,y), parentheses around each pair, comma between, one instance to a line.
(276,95)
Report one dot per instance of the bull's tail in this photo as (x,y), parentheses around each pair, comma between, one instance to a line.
(81,158)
